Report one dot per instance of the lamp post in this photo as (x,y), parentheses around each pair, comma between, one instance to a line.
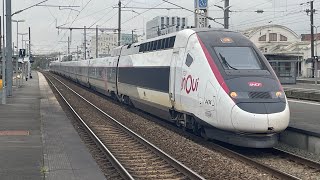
(17,21)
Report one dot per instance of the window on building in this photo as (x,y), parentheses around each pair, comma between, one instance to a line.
(168,21)
(173,23)
(178,21)
(162,22)
(283,38)
(263,38)
(273,37)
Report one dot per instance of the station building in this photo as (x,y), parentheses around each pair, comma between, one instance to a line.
(161,25)
(288,53)
(108,41)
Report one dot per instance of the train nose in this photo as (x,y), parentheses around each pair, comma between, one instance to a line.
(260,117)
(243,120)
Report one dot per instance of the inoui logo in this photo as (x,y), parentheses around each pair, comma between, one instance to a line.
(255,84)
(189,84)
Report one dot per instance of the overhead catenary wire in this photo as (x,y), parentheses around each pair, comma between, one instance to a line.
(73,20)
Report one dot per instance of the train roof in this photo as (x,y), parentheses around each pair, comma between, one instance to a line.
(180,37)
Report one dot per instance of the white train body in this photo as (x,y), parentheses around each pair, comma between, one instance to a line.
(194,78)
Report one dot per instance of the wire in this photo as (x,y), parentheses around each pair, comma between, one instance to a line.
(142,13)
(101,17)
(106,14)
(210,18)
(70,11)
(74,20)
(113,15)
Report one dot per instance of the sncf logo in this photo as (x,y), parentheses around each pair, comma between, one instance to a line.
(255,84)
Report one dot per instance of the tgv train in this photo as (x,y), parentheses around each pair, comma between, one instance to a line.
(213,82)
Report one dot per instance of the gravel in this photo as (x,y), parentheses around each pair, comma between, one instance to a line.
(208,163)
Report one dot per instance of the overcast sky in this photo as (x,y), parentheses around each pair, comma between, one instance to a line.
(46,38)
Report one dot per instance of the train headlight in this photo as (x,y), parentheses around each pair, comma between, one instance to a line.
(278,94)
(239,95)
(233,95)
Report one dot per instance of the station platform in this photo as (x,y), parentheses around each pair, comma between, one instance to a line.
(304,112)
(37,140)
(306,91)
(308,80)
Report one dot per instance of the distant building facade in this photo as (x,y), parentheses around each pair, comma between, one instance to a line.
(284,48)
(107,41)
(161,25)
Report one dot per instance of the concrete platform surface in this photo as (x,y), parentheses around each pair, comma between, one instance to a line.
(37,141)
(305,116)
(302,87)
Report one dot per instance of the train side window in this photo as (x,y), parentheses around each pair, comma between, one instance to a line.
(172,40)
(143,47)
(154,45)
(167,43)
(189,60)
(159,44)
(162,43)
(148,46)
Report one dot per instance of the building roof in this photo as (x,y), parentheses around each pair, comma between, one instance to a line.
(251,31)
(307,37)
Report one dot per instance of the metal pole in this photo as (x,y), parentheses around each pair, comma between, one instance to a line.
(77,53)
(298,67)
(119,24)
(226,14)
(17,52)
(70,36)
(312,36)
(68,46)
(29,47)
(97,42)
(316,61)
(196,16)
(22,41)
(132,37)
(29,41)
(85,43)
(8,46)
(3,68)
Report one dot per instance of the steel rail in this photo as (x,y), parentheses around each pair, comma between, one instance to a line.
(257,164)
(123,172)
(175,163)
(298,158)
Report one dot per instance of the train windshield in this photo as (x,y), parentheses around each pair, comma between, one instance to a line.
(238,58)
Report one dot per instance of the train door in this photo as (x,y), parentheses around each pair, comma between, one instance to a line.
(173,77)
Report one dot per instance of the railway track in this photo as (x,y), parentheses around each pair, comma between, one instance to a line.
(256,158)
(129,153)
(297,166)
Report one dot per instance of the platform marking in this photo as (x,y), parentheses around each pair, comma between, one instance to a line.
(304,102)
(14,133)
